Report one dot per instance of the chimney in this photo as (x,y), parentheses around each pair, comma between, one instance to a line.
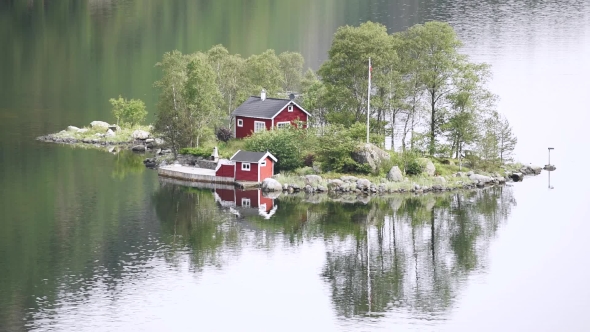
(263,95)
(292,96)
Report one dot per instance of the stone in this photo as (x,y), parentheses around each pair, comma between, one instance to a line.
(517,177)
(82,130)
(460,174)
(470,173)
(102,124)
(395,174)
(363,184)
(269,185)
(335,184)
(159,141)
(73,129)
(416,186)
(140,134)
(440,179)
(295,187)
(437,187)
(138,148)
(150,140)
(429,168)
(480,178)
(370,154)
(549,168)
(308,189)
(536,169)
(285,187)
(114,128)
(480,184)
(321,189)
(109,133)
(347,178)
(312,179)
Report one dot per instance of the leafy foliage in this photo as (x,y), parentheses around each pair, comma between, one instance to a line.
(283,144)
(197,152)
(128,112)
(223,134)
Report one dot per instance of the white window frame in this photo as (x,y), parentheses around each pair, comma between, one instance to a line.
(244,168)
(257,128)
(240,122)
(290,108)
(263,163)
(246,202)
(283,124)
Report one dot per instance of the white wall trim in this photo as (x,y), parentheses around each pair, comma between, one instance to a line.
(244,168)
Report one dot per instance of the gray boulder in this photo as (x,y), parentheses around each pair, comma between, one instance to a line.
(321,189)
(335,184)
(480,178)
(308,189)
(363,184)
(369,154)
(347,178)
(517,177)
(109,133)
(73,129)
(428,166)
(270,184)
(138,148)
(312,179)
(82,130)
(395,174)
(440,180)
(101,124)
(470,173)
(549,168)
(140,134)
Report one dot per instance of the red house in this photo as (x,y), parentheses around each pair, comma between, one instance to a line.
(261,113)
(247,166)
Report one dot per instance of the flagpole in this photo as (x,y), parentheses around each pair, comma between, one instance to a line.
(369,101)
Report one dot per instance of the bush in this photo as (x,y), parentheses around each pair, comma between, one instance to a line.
(284,144)
(309,159)
(128,112)
(223,134)
(413,167)
(197,152)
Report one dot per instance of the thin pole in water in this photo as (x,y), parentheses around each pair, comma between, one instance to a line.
(369,100)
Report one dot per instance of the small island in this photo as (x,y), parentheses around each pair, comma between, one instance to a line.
(327,129)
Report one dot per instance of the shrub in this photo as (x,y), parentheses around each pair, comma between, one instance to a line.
(285,144)
(309,159)
(197,152)
(413,167)
(224,134)
(128,112)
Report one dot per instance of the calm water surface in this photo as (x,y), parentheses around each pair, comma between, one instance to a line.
(94,242)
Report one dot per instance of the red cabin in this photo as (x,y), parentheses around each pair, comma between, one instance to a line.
(253,166)
(246,202)
(261,113)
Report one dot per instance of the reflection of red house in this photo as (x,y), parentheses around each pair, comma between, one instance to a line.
(247,202)
(261,113)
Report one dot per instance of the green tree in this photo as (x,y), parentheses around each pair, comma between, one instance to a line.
(291,65)
(128,112)
(230,76)
(467,106)
(436,46)
(346,71)
(188,104)
(312,98)
(263,71)
(506,139)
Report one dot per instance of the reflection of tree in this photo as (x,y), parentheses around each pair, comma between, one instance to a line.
(191,221)
(421,251)
(127,162)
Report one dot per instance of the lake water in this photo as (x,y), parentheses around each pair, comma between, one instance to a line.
(94,242)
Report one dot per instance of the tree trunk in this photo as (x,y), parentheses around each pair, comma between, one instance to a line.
(432,124)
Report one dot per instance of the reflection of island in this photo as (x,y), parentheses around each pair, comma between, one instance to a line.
(409,252)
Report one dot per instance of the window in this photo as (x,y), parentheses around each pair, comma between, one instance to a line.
(290,108)
(240,123)
(245,166)
(285,124)
(259,126)
(263,163)
(245,202)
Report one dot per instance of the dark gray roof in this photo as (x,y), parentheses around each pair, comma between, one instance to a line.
(256,108)
(251,157)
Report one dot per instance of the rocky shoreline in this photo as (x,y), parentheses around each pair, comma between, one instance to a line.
(315,184)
